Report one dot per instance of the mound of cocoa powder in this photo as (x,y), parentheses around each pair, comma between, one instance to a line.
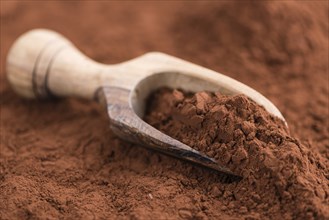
(280,175)
(60,160)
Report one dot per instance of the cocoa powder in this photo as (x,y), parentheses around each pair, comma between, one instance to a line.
(277,169)
(59,159)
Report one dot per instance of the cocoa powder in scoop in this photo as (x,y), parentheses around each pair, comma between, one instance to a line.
(279,174)
(60,160)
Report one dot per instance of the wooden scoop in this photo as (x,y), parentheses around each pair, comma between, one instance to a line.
(43,64)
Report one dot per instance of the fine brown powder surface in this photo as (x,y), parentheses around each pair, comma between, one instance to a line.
(281,177)
(60,160)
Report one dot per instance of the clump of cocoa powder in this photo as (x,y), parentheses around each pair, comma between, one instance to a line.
(279,174)
(60,160)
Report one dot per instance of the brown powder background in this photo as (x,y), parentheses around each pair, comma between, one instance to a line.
(60,160)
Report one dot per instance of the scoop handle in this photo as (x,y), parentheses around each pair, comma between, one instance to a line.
(42,63)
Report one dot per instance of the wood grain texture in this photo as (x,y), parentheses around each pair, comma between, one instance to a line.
(127,126)
(42,63)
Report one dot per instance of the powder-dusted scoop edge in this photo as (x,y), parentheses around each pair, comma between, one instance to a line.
(124,123)
(42,64)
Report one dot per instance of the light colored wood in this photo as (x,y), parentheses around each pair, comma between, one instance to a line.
(42,64)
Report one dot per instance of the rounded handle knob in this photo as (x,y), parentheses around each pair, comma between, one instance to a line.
(29,60)
(43,63)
